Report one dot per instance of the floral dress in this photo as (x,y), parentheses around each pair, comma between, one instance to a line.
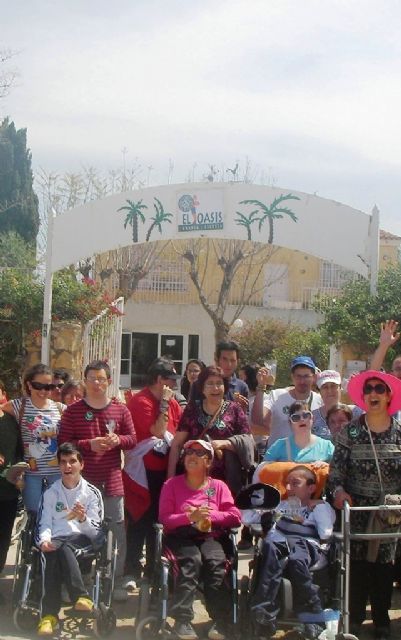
(353,466)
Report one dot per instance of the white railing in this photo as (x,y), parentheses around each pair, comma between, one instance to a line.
(102,341)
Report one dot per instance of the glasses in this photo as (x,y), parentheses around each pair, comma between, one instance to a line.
(58,385)
(377,388)
(211,385)
(193,370)
(42,386)
(303,376)
(195,452)
(94,380)
(297,417)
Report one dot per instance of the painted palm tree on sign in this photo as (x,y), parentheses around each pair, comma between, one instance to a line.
(160,217)
(134,214)
(273,212)
(246,222)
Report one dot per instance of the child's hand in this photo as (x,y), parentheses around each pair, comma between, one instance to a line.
(47,546)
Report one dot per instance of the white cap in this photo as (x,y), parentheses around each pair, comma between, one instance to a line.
(328,376)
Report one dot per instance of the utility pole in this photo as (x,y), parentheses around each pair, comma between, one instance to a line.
(48,294)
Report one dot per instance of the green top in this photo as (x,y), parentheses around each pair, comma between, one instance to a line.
(10,448)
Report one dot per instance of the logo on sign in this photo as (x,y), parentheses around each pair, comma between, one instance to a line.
(195,217)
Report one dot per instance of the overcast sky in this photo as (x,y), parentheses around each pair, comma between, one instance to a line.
(308,90)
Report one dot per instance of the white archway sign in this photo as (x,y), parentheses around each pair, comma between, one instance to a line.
(292,219)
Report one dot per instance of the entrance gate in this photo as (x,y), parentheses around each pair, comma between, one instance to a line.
(102,341)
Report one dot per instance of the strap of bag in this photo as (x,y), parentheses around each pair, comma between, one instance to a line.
(212,419)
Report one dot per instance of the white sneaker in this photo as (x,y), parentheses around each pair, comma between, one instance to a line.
(129,583)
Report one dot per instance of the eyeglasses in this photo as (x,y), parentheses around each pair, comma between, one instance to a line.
(196,452)
(377,388)
(303,376)
(193,370)
(58,385)
(94,380)
(297,417)
(214,384)
(42,386)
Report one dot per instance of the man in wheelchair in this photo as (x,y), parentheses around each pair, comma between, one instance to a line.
(196,511)
(69,518)
(296,539)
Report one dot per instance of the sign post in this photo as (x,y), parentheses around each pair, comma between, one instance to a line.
(47,300)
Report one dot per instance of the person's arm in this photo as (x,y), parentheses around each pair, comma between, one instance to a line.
(261,410)
(67,433)
(94,515)
(324,517)
(159,427)
(168,514)
(44,532)
(275,452)
(388,337)
(175,450)
(127,435)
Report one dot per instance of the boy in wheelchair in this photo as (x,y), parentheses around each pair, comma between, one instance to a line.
(69,519)
(296,539)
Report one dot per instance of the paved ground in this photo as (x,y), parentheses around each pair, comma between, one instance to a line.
(125,612)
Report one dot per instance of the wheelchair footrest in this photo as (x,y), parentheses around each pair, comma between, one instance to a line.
(327,615)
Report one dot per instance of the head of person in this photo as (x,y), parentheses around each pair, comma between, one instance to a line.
(162,373)
(38,381)
(193,369)
(300,483)
(226,357)
(3,396)
(60,378)
(337,417)
(211,384)
(301,418)
(249,372)
(329,384)
(72,391)
(70,463)
(375,392)
(97,377)
(396,367)
(198,457)
(303,374)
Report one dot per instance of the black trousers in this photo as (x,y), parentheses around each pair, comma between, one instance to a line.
(61,566)
(198,559)
(143,530)
(8,510)
(296,561)
(373,581)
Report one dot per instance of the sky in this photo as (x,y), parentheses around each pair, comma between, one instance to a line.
(307,92)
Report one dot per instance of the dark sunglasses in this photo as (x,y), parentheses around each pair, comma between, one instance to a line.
(41,386)
(197,452)
(297,417)
(377,388)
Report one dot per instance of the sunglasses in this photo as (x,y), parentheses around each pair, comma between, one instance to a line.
(377,388)
(297,417)
(197,452)
(41,386)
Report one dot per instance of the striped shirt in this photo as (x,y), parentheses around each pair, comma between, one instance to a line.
(81,423)
(39,428)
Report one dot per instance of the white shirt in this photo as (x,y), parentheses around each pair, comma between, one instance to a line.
(279,402)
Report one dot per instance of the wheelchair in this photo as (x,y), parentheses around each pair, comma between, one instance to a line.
(151,618)
(28,582)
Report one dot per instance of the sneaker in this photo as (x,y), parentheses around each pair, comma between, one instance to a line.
(130,583)
(184,631)
(120,594)
(83,604)
(47,626)
(216,632)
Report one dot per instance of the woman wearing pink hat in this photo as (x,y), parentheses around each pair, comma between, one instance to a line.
(366,465)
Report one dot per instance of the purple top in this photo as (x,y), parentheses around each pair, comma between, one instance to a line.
(231,421)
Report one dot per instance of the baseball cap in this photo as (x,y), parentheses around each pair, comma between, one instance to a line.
(328,375)
(303,361)
(203,443)
(164,368)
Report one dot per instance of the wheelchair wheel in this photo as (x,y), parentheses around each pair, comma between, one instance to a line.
(24,619)
(148,628)
(105,623)
(143,601)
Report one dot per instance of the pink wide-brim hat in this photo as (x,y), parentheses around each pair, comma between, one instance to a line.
(357,383)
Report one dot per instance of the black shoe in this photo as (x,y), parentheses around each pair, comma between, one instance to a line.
(382,633)
(184,631)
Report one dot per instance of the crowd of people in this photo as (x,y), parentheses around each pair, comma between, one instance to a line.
(182,456)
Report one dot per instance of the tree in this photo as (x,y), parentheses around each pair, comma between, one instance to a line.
(274,339)
(18,201)
(16,253)
(354,316)
(8,75)
(134,210)
(236,259)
